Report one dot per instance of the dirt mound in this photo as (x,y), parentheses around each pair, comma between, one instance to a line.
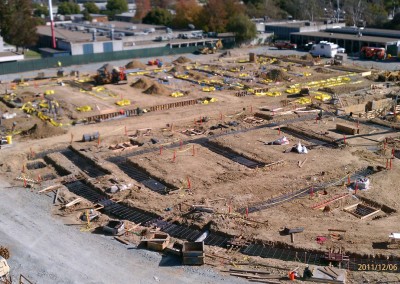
(43,130)
(178,68)
(307,57)
(276,75)
(181,60)
(197,75)
(142,83)
(277,62)
(157,89)
(135,64)
(4,252)
(323,70)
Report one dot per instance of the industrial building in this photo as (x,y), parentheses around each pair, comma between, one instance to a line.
(8,54)
(352,42)
(283,30)
(89,38)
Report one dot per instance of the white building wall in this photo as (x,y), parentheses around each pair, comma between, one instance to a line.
(76,49)
(118,45)
(98,47)
(1,44)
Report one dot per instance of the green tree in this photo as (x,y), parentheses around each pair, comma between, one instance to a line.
(187,12)
(162,3)
(217,13)
(91,8)
(243,28)
(117,6)
(18,27)
(68,8)
(158,16)
(40,9)
(142,8)
(87,16)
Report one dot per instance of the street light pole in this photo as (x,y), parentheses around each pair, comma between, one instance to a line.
(338,11)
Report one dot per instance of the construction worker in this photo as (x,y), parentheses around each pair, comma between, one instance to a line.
(307,273)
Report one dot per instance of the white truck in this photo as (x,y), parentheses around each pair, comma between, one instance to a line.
(324,49)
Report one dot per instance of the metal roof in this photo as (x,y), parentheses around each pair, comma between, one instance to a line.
(367,32)
(382,40)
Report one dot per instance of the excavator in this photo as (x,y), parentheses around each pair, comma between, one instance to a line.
(373,53)
(211,47)
(109,74)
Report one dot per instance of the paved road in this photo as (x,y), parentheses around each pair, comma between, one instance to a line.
(46,250)
(387,65)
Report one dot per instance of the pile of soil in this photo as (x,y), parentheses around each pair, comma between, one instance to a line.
(142,83)
(181,60)
(276,75)
(178,69)
(135,64)
(197,75)
(43,130)
(277,62)
(373,77)
(307,57)
(157,89)
(327,90)
(323,70)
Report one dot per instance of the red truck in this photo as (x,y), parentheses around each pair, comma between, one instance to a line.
(285,45)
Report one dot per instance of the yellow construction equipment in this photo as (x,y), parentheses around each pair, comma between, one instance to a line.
(211,47)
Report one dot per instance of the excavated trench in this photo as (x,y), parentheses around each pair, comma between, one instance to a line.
(283,252)
(191,234)
(86,165)
(302,192)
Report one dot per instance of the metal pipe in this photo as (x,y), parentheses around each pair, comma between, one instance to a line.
(53,36)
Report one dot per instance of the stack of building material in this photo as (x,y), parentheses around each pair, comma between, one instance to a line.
(158,241)
(193,253)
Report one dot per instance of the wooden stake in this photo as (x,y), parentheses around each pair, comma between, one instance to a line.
(189,184)
(193,151)
(174,157)
(161,148)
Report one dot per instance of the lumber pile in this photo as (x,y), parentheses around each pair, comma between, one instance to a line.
(252,275)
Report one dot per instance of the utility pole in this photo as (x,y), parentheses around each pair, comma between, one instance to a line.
(338,11)
(53,36)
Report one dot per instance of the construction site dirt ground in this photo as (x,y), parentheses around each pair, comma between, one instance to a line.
(216,180)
